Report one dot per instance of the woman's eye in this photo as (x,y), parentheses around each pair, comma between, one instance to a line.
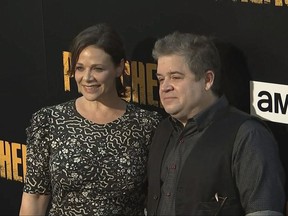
(78,68)
(98,69)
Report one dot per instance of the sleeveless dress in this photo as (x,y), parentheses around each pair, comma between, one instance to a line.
(89,168)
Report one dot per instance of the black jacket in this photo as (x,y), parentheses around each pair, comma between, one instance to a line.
(207,170)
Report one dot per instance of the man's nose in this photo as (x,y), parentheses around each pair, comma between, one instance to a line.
(166,86)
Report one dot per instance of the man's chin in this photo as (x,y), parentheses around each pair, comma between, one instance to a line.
(172,113)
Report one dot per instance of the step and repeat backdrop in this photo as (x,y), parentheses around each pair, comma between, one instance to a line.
(34,46)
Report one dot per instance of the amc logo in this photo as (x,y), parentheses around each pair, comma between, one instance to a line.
(272,103)
(269,101)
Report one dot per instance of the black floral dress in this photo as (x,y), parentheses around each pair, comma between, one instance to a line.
(89,168)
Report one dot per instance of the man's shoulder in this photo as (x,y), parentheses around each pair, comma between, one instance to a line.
(249,121)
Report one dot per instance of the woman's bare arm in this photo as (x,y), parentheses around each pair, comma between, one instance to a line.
(34,204)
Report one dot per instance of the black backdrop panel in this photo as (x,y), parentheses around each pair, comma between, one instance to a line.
(23,81)
(254,31)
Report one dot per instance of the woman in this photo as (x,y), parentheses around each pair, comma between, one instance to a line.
(89,154)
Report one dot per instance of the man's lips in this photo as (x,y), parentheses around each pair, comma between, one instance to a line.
(168,98)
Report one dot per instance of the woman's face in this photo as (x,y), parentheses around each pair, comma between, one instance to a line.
(95,74)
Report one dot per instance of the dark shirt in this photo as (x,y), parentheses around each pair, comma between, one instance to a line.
(254,147)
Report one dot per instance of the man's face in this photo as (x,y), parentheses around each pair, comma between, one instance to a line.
(181,95)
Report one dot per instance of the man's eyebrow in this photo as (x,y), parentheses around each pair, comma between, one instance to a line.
(170,73)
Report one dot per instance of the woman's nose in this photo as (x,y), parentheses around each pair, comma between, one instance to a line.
(87,75)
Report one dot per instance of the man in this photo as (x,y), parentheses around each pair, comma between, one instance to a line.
(207,157)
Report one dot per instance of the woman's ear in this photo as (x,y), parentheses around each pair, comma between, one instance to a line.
(120,68)
(209,79)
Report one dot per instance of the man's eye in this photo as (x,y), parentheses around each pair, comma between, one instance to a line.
(175,77)
(160,80)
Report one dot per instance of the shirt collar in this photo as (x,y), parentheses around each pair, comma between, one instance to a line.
(204,118)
